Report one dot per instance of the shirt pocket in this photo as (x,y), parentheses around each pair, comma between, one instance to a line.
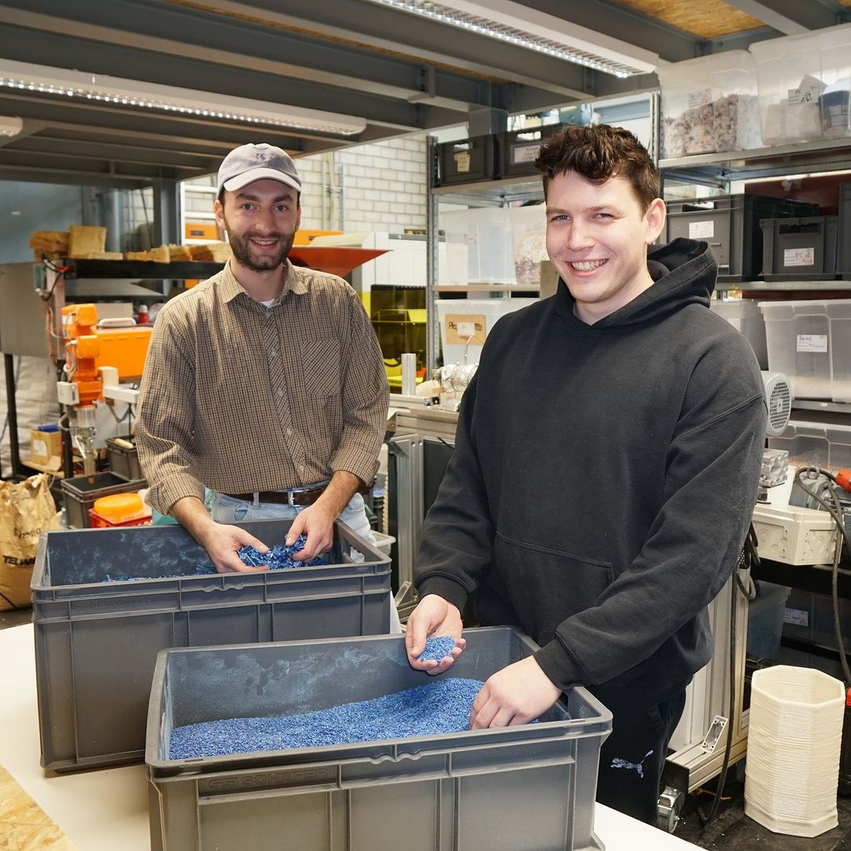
(320,364)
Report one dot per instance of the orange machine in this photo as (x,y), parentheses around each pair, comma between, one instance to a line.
(92,354)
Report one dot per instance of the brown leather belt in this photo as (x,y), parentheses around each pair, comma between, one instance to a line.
(305,496)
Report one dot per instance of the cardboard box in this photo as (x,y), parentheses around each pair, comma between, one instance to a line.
(45,445)
(83,241)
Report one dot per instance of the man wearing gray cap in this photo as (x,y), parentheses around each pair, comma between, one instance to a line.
(264,383)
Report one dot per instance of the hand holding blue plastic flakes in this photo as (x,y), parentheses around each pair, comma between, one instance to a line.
(279,557)
(437,647)
(441,706)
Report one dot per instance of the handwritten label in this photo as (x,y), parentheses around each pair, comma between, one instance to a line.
(701,98)
(701,230)
(461,327)
(462,162)
(799,257)
(812,342)
(805,94)
(525,153)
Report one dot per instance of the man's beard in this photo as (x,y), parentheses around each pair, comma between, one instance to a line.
(242,251)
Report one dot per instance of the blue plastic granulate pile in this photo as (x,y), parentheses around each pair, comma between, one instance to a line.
(436,648)
(442,706)
(279,557)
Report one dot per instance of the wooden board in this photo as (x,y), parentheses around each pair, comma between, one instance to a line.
(23,824)
(705,19)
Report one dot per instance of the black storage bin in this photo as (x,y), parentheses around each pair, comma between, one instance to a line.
(79,495)
(731,226)
(843,250)
(519,149)
(800,249)
(124,460)
(467,160)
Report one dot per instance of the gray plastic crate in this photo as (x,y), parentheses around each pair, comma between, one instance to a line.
(79,495)
(525,788)
(467,160)
(804,249)
(123,461)
(96,642)
(731,226)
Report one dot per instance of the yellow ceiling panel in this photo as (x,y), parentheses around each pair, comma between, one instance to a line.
(702,18)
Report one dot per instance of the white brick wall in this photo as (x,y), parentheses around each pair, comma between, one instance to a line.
(375,187)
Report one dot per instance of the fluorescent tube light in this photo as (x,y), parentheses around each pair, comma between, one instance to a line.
(517,24)
(25,76)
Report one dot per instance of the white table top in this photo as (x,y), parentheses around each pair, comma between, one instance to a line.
(101,810)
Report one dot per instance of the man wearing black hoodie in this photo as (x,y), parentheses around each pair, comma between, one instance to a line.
(605,470)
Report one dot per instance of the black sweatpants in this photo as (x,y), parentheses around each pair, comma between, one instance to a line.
(644,717)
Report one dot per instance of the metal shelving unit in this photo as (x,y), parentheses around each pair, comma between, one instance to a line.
(481,193)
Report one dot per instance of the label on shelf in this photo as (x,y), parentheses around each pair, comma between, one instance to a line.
(701,230)
(799,257)
(462,162)
(812,343)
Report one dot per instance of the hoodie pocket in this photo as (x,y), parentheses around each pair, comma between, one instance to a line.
(546,586)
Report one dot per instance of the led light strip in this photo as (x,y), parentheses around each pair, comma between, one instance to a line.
(512,35)
(27,77)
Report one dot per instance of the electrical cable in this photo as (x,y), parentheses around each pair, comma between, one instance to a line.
(747,559)
(835,511)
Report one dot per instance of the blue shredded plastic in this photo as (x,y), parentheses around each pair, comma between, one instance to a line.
(279,557)
(441,706)
(436,648)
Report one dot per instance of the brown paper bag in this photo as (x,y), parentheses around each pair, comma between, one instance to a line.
(26,510)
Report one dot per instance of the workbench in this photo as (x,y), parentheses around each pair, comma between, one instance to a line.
(102,810)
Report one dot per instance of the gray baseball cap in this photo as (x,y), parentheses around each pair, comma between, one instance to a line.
(247,163)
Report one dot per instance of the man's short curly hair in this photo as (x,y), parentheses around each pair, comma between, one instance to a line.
(597,153)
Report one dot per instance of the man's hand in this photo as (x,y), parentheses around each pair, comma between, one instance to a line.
(317,522)
(222,542)
(433,616)
(219,540)
(515,695)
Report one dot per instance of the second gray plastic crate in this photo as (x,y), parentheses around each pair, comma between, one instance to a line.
(522,788)
(79,495)
(96,642)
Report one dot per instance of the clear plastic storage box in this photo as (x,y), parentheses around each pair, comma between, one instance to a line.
(804,85)
(746,317)
(479,246)
(523,788)
(96,641)
(466,322)
(709,104)
(529,231)
(815,445)
(810,342)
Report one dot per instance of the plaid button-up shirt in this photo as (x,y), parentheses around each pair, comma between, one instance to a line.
(240,397)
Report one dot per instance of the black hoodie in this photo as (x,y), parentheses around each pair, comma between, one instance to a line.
(604,478)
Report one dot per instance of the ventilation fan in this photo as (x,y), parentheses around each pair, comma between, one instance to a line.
(778,402)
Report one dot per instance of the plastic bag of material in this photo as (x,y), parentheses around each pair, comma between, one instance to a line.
(26,510)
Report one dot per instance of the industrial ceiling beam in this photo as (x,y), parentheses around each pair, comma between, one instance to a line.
(790,17)
(212,41)
(624,24)
(363,24)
